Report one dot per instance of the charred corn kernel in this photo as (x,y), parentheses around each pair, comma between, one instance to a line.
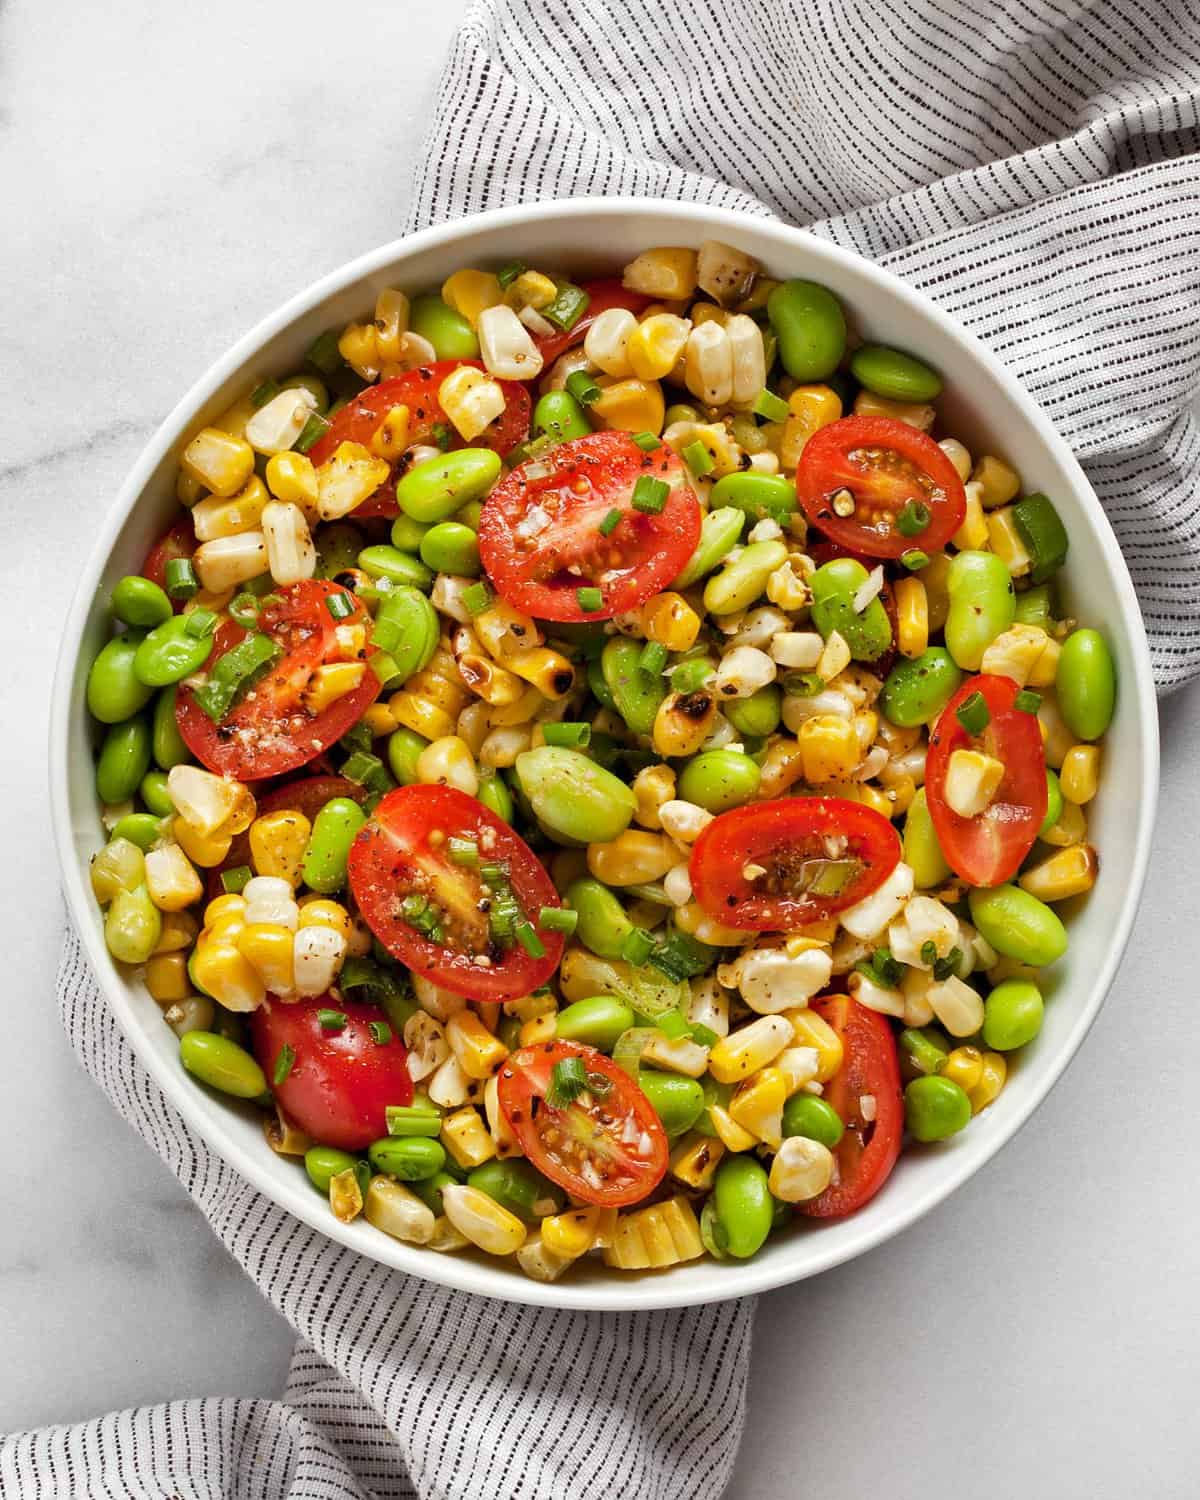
(345,1196)
(829,748)
(322,912)
(543,668)
(632,858)
(479,1053)
(695,1160)
(530,1007)
(540,1029)
(964,1066)
(654,346)
(391,436)
(167,978)
(540,1263)
(664,1234)
(277,844)
(346,479)
(269,949)
(187,489)
(482,1220)
(912,617)
(573,1233)
(224,972)
(317,957)
(396,1210)
(998,483)
(757,1106)
(810,407)
(730,1134)
(668,272)
(379,720)
(802,1170)
(466,1137)
(1080,773)
(683,722)
(283,1135)
(652,787)
(291,477)
(468,292)
(958,456)
(330,682)
(671,621)
(359,347)
(995,1071)
(630,406)
(219,461)
(973,533)
(735,1057)
(1067,872)
(471,400)
(223,564)
(1006,542)
(506,631)
(696,922)
(910,413)
(1045,669)
(179,930)
(171,879)
(812,1030)
(230,516)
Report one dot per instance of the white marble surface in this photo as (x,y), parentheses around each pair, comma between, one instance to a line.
(171,174)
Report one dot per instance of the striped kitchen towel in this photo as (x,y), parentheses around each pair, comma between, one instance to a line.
(1029,163)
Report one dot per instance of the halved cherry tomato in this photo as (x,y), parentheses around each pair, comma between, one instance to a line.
(180,541)
(304,794)
(607,1146)
(270,731)
(601,296)
(818,855)
(883,465)
(870,1070)
(540,536)
(988,848)
(402,855)
(341,1082)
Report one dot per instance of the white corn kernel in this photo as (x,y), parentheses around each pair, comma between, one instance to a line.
(743,671)
(770,981)
(878,910)
(472,401)
(799,1065)
(434,1000)
(484,1221)
(678,1055)
(972,781)
(725,273)
(275,427)
(291,555)
(708,368)
(708,1005)
(171,878)
(202,799)
(684,820)
(427,1046)
(759,627)
(802,1170)
(317,956)
(878,997)
(449,1087)
(677,885)
(397,1211)
(835,657)
(606,341)
(505,346)
(749,358)
(227,561)
(957,1006)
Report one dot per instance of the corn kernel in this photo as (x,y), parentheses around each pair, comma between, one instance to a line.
(695,1160)
(630,406)
(757,1106)
(1068,872)
(484,1221)
(810,407)
(540,1029)
(222,971)
(1080,773)
(167,977)
(330,682)
(664,1234)
(1007,543)
(812,1030)
(231,515)
(995,1071)
(912,414)
(632,858)
(652,787)
(359,347)
(829,748)
(278,841)
(573,1233)
(964,1066)
(292,477)
(171,879)
(391,436)
(671,621)
(321,912)
(912,616)
(469,292)
(179,929)
(466,1137)
(998,484)
(668,272)
(972,535)
(346,479)
(220,462)
(269,948)
(479,1052)
(735,1057)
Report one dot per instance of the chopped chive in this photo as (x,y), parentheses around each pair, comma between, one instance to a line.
(381,1033)
(529,940)
(263,393)
(929,953)
(973,713)
(340,606)
(569,736)
(803,684)
(568,1079)
(681,957)
(558,919)
(637,947)
(200,622)
(698,459)
(387,669)
(508,273)
(463,852)
(567,308)
(236,880)
(770,407)
(283,1064)
(324,353)
(310,434)
(362,768)
(650,495)
(914,518)
(477,598)
(332,1020)
(1028,701)
(672,1025)
(495,873)
(653,658)
(610,522)
(581,385)
(703,1035)
(441,435)
(234,673)
(647,442)
(243,611)
(412,1119)
(914,559)
(944,967)
(181,578)
(589,600)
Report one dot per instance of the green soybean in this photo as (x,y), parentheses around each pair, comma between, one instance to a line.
(917,689)
(403,751)
(935,1108)
(719,779)
(407,534)
(470,515)
(834,585)
(1054,803)
(600,689)
(517,1186)
(1086,684)
(921,848)
(805,1114)
(495,795)
(139,601)
(114,690)
(759,714)
(403,568)
(142,829)
(760,497)
(742,580)
(153,792)
(435,489)
(677,1101)
(720,532)
(132,926)
(449,332)
(166,742)
(982,606)
(573,797)
(124,759)
(893,375)
(810,326)
(171,652)
(559,416)
(1012,1014)
(337,548)
(743,1206)
(1018,924)
(329,843)
(450,547)
(406,626)
(324,1163)
(408,1157)
(603,925)
(635,693)
(594,1022)
(222,1064)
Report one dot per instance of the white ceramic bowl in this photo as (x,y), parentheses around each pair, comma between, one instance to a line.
(986,407)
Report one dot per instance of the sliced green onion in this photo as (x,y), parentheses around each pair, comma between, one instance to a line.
(442,435)
(368,771)
(610,522)
(803,684)
(589,600)
(283,1064)
(332,1020)
(494,873)
(770,407)
(243,611)
(509,272)
(1043,532)
(650,495)
(568,1079)
(681,957)
(914,518)
(324,353)
(973,713)
(477,598)
(944,967)
(927,1053)
(567,308)
(673,1026)
(387,669)
(914,559)
(929,953)
(581,385)
(311,433)
(236,880)
(263,393)
(558,919)
(627,1054)
(357,737)
(234,672)
(882,969)
(569,736)
(200,622)
(181,578)
(1028,701)
(463,852)
(647,442)
(653,658)
(703,1036)
(529,940)
(637,947)
(340,606)
(412,1119)
(381,1033)
(698,459)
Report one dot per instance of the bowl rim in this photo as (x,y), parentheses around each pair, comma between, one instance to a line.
(651,1292)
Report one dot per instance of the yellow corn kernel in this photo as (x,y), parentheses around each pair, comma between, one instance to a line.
(466,1137)
(655,345)
(232,515)
(292,477)
(662,1235)
(217,460)
(1045,669)
(391,436)
(630,406)
(391,324)
(421,715)
(345,1196)
(668,272)
(167,977)
(469,292)
(471,399)
(547,670)
(530,1007)
(782,767)
(716,440)
(651,787)
(632,858)
(359,347)
(912,617)
(995,1071)
(1006,542)
(671,621)
(814,935)
(1067,872)
(731,1135)
(505,631)
(696,922)
(277,844)
(708,312)
(229,907)
(171,879)
(319,911)
(911,414)
(224,972)
(998,484)
(879,801)
(179,929)
(269,948)
(937,595)
(1080,773)
(958,456)
(346,479)
(964,1066)
(735,1057)
(899,792)
(479,1053)
(187,489)
(379,720)
(573,1233)
(485,1222)
(1016,652)
(757,1106)
(330,682)
(810,407)
(812,1030)
(973,533)
(695,1160)
(683,722)
(530,289)
(828,748)
(540,1029)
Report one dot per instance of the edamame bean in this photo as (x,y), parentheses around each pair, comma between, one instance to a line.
(573,797)
(1034,607)
(408,534)
(114,690)
(921,848)
(329,843)
(918,688)
(720,532)
(171,652)
(1012,1014)
(450,547)
(397,567)
(1086,684)
(805,1114)
(710,1230)
(1054,803)
(893,375)
(124,759)
(760,497)
(594,1022)
(153,792)
(222,1064)
(411,1158)
(677,1100)
(1018,924)
(434,490)
(166,742)
(982,606)
(744,1208)
(810,326)
(338,547)
(324,1163)
(834,585)
(449,332)
(559,416)
(718,780)
(142,829)
(603,925)
(495,795)
(636,693)
(742,580)
(403,751)
(132,926)
(470,515)
(140,602)
(759,714)
(517,1186)
(407,627)
(935,1108)
(600,689)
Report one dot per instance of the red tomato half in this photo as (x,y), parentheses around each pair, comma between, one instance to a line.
(601,296)
(607,1146)
(884,465)
(820,855)
(270,731)
(870,1070)
(540,537)
(341,1082)
(988,848)
(402,853)
(180,541)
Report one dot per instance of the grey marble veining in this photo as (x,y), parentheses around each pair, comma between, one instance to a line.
(171,174)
